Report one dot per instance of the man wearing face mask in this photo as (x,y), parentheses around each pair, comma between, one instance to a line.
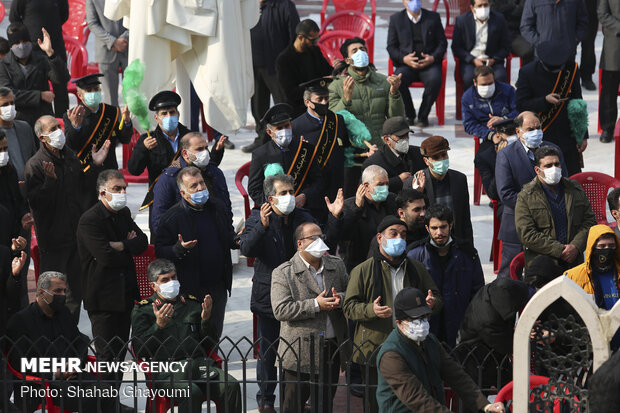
(371,290)
(108,239)
(553,214)
(399,159)
(455,267)
(300,62)
(413,365)
(93,122)
(306,296)
(173,326)
(545,87)
(194,152)
(444,186)
(481,38)
(22,143)
(269,236)
(486,103)
(513,169)
(197,234)
(417,45)
(33,97)
(58,193)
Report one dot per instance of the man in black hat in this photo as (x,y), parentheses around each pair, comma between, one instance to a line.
(413,364)
(93,122)
(33,97)
(399,159)
(325,130)
(293,154)
(545,87)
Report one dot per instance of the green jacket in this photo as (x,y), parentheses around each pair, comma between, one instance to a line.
(372,102)
(534,220)
(185,336)
(371,331)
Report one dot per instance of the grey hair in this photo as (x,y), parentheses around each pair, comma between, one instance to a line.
(370,173)
(307,94)
(158,267)
(184,142)
(4,91)
(105,176)
(268,185)
(45,279)
(38,125)
(188,170)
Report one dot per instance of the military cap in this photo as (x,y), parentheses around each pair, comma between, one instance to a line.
(164,99)
(505,126)
(318,85)
(88,80)
(553,53)
(277,114)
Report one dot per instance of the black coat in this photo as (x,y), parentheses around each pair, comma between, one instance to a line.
(195,275)
(395,165)
(400,37)
(293,68)
(10,288)
(11,198)
(464,38)
(314,186)
(274,31)
(76,139)
(485,163)
(27,89)
(108,276)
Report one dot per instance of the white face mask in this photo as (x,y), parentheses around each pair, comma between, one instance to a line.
(118,202)
(202,158)
(482,13)
(57,139)
(417,330)
(286,203)
(4,158)
(486,91)
(7,113)
(402,146)
(553,175)
(317,248)
(170,289)
(284,137)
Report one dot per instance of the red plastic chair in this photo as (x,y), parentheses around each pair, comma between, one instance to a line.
(596,185)
(243,172)
(2,11)
(516,265)
(76,25)
(505,394)
(142,262)
(355,22)
(598,117)
(355,5)
(330,43)
(478,188)
(617,154)
(127,149)
(77,60)
(440,103)
(453,9)
(496,245)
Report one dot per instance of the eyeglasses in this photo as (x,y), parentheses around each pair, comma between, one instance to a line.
(314,237)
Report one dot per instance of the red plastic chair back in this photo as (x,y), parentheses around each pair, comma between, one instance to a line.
(596,185)
(2,11)
(496,244)
(243,172)
(516,265)
(127,149)
(453,9)
(354,5)
(142,262)
(76,25)
(617,154)
(330,43)
(77,57)
(505,394)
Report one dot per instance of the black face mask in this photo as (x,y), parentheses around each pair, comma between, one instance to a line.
(603,259)
(58,302)
(320,108)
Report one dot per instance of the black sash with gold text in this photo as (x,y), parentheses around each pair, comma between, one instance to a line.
(102,132)
(562,87)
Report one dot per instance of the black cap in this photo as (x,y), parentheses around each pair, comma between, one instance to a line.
(17,32)
(410,303)
(388,221)
(541,270)
(164,99)
(318,85)
(505,126)
(396,125)
(277,114)
(553,53)
(88,80)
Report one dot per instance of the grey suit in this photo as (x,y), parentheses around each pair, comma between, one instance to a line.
(609,16)
(26,145)
(106,32)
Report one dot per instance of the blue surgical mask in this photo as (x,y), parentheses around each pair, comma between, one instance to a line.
(394,247)
(170,123)
(441,167)
(533,138)
(360,59)
(380,194)
(414,6)
(92,99)
(200,197)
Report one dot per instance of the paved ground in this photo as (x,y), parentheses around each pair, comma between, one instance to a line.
(598,157)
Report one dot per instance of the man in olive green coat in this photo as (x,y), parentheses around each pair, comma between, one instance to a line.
(370,294)
(553,214)
(168,326)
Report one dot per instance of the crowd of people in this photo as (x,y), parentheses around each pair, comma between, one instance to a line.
(358,236)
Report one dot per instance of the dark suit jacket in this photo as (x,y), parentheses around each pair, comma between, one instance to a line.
(464,38)
(514,169)
(28,143)
(395,165)
(10,287)
(400,37)
(108,276)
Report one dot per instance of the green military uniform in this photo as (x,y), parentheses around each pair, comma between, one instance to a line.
(185,338)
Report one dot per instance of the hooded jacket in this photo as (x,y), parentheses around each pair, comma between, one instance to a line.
(582,274)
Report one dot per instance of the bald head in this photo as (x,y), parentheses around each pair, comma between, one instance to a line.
(44,124)
(526,122)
